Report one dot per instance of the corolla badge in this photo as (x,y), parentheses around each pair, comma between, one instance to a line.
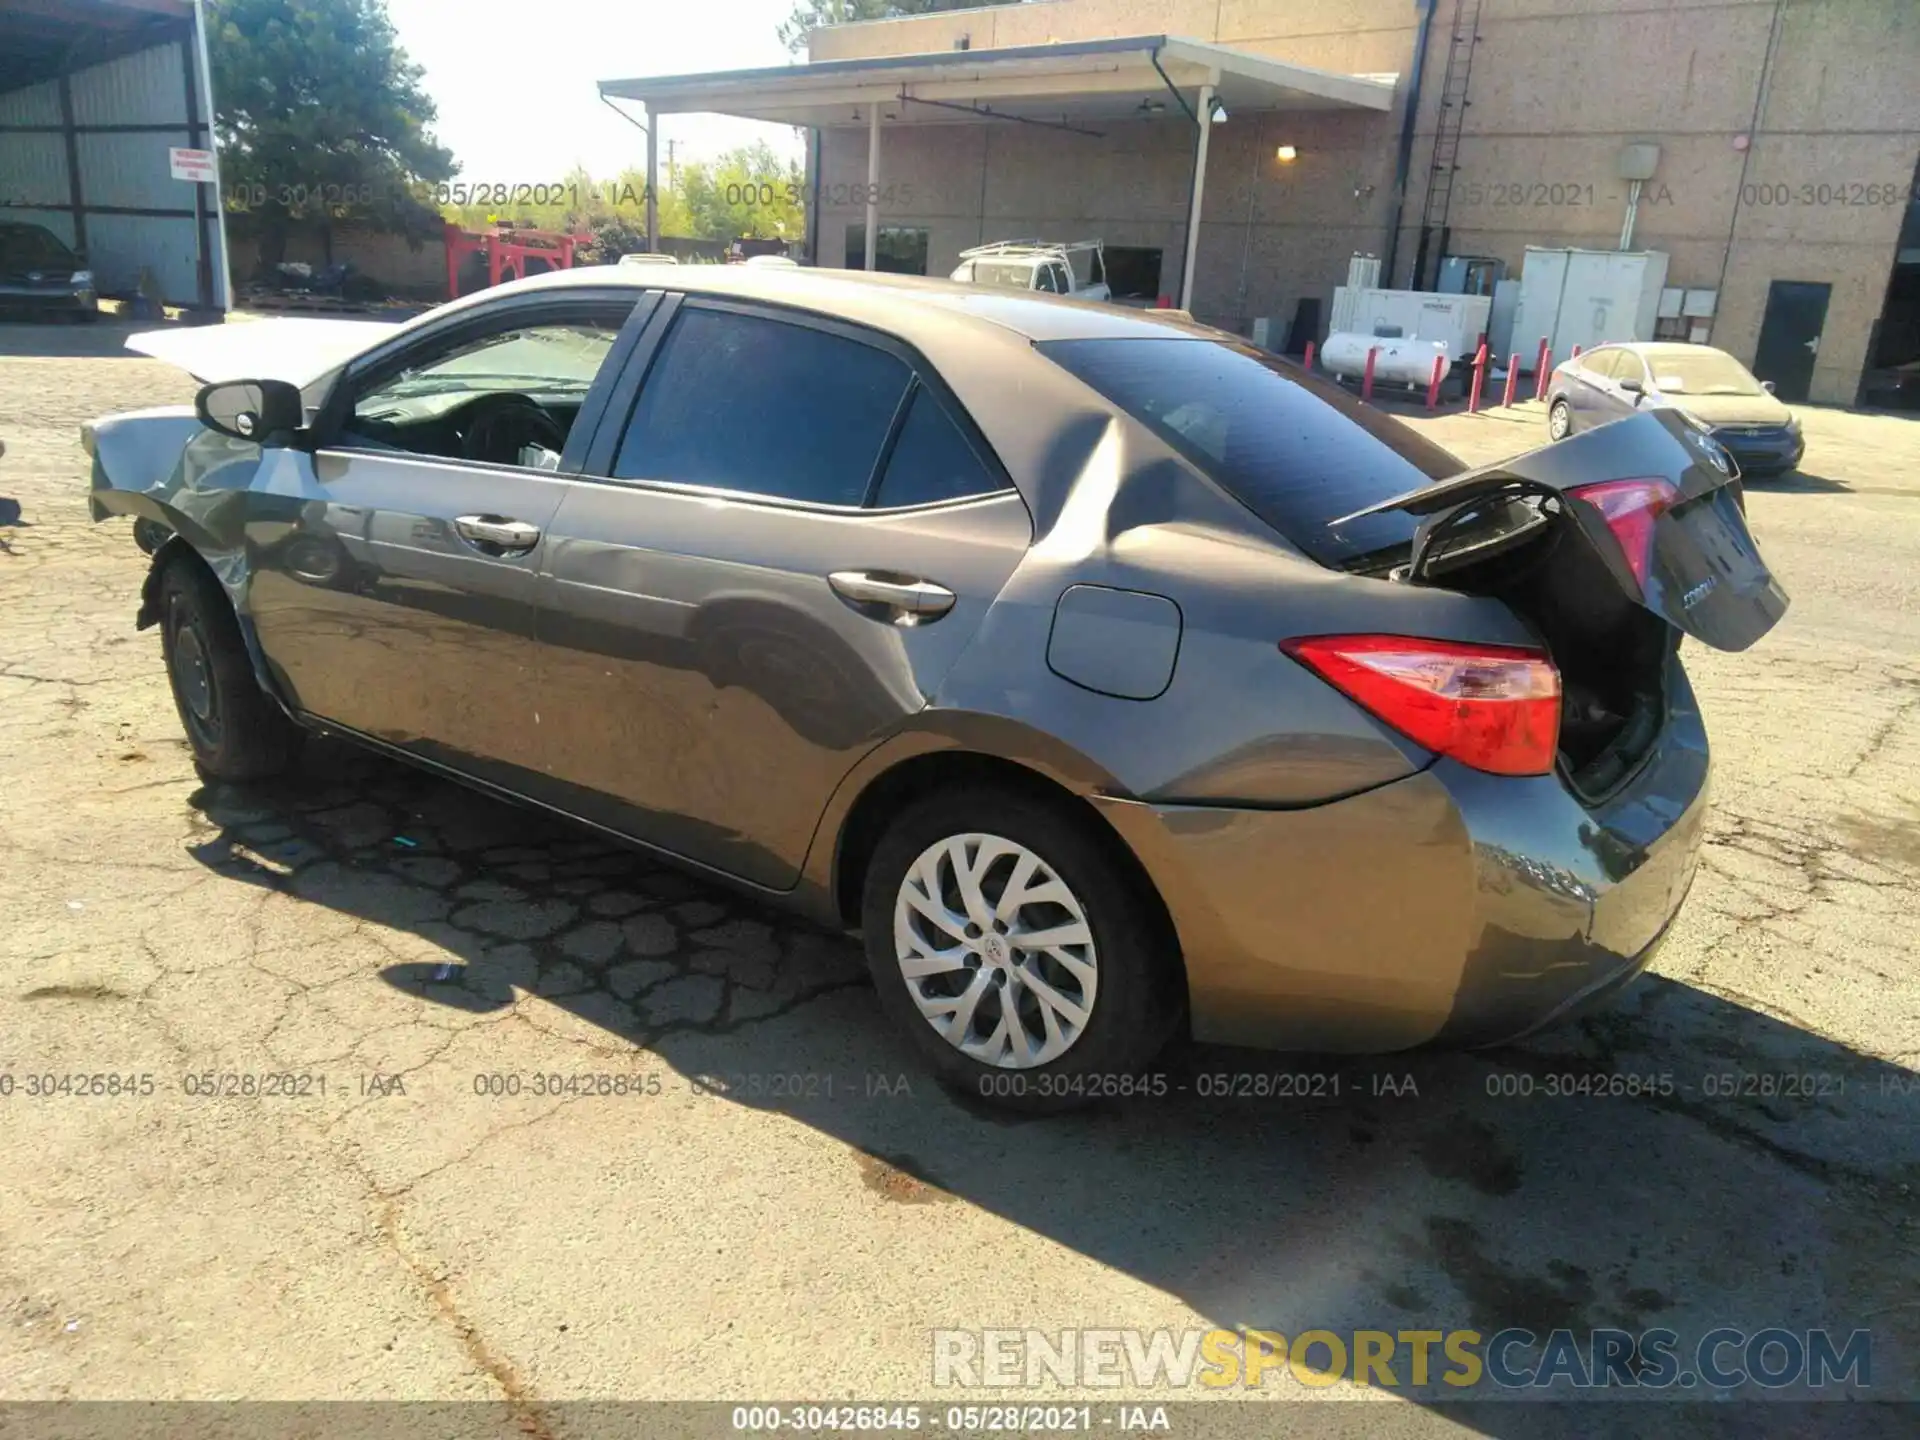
(1699,592)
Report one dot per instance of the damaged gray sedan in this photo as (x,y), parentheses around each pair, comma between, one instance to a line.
(1114,679)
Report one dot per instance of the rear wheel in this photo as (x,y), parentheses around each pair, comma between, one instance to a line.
(149,535)
(1020,956)
(1560,420)
(235,730)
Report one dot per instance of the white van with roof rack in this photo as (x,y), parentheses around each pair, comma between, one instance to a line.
(1075,267)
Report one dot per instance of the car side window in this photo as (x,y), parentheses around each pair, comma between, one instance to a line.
(508,396)
(932,460)
(1600,363)
(763,406)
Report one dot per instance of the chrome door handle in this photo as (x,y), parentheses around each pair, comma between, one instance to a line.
(913,597)
(510,536)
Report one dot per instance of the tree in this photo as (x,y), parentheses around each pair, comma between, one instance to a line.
(750,191)
(812,14)
(320,115)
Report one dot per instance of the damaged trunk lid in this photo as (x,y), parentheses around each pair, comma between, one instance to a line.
(1654,500)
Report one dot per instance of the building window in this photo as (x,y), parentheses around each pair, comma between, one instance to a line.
(1133,272)
(900,249)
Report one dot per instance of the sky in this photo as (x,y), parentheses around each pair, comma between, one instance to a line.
(516,82)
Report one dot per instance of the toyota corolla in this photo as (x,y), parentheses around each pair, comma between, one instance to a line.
(1112,678)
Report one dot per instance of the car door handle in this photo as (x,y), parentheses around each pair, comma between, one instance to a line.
(909,596)
(511,537)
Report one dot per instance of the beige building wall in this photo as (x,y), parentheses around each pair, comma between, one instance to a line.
(1769,115)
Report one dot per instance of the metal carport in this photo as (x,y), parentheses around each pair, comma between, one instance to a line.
(93,95)
(1058,85)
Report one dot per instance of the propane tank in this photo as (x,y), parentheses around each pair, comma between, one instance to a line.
(1400,361)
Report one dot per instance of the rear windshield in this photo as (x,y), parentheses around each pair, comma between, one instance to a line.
(1296,450)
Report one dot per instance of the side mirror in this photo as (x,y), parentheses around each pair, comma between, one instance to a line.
(250,409)
(1630,385)
(1767,385)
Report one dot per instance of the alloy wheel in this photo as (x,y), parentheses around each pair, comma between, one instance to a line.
(995,950)
(1559,420)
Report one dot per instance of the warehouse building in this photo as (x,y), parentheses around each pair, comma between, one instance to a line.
(96,98)
(1235,154)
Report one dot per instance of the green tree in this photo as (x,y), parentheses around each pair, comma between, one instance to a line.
(320,115)
(749,191)
(812,14)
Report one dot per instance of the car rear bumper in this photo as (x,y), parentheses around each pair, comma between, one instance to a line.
(1451,905)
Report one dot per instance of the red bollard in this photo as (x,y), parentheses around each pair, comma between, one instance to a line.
(1540,364)
(1513,378)
(1479,379)
(1433,382)
(1576,353)
(1308,361)
(1366,380)
(1542,373)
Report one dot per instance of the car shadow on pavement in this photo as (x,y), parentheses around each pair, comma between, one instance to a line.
(1677,1161)
(1798,482)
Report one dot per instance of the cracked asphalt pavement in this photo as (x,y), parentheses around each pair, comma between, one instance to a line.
(737,1184)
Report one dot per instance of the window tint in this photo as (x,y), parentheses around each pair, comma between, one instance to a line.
(932,460)
(742,402)
(1599,363)
(1296,450)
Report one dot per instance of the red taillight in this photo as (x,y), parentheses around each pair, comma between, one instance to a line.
(1631,507)
(1494,707)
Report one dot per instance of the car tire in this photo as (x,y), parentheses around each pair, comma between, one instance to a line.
(234,729)
(149,535)
(1559,420)
(1135,993)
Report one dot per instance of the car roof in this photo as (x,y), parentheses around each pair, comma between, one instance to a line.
(900,303)
(1653,349)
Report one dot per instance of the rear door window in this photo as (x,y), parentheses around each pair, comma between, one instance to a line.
(932,460)
(1296,450)
(767,407)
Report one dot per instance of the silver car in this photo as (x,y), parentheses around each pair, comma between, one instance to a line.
(1113,678)
(1705,386)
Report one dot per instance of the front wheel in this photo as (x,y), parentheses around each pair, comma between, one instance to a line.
(1017,951)
(235,730)
(1560,420)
